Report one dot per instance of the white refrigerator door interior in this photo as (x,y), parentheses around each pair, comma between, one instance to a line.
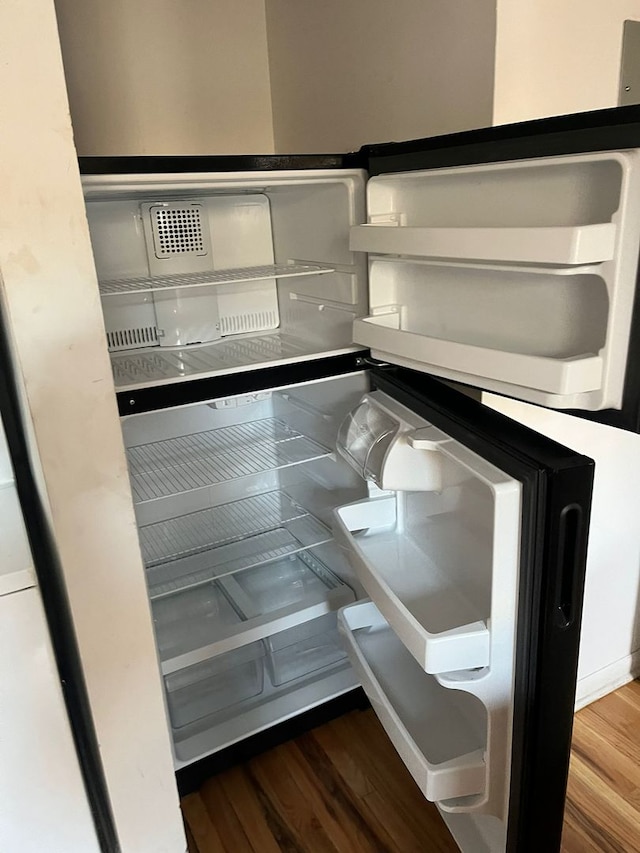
(514,277)
(435,648)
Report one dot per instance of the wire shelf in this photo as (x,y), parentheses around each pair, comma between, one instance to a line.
(158,366)
(209,528)
(176,465)
(290,539)
(146,284)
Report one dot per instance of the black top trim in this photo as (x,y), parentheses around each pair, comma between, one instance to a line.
(600,130)
(56,605)
(167,164)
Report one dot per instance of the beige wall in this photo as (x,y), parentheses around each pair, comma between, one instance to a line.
(347,73)
(167,76)
(558,56)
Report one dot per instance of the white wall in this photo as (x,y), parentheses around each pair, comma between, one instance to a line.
(610,637)
(51,308)
(348,73)
(558,56)
(167,76)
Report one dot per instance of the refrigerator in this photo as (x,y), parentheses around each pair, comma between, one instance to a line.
(299,346)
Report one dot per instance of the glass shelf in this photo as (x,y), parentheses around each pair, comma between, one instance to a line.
(209,528)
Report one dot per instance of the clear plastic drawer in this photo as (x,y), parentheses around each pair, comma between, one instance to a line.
(307,648)
(216,685)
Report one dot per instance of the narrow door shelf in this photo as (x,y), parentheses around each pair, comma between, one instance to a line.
(570,245)
(440,734)
(441,628)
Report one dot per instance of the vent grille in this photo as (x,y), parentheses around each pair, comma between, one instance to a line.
(257,321)
(141,336)
(177,230)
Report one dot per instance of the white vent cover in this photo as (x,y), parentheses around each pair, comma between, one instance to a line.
(132,338)
(177,237)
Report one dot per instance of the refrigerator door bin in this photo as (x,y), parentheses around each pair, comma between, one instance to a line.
(583,244)
(213,688)
(389,337)
(175,465)
(440,734)
(297,652)
(444,628)
(437,555)
(516,277)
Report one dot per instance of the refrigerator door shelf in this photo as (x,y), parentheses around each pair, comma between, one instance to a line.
(517,278)
(388,341)
(441,628)
(440,734)
(584,244)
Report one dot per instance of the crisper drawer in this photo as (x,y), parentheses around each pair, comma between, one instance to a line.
(303,650)
(214,686)
(440,733)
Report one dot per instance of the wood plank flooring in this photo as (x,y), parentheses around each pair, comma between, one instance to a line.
(342,788)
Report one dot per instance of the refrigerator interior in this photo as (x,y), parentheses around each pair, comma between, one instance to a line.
(233,501)
(255,531)
(208,274)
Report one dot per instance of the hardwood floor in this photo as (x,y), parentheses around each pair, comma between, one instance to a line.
(342,787)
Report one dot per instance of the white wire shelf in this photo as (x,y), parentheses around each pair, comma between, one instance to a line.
(176,465)
(170,365)
(146,284)
(293,537)
(164,541)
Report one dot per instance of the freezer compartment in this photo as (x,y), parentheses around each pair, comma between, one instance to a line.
(440,734)
(516,277)
(205,274)
(308,648)
(214,688)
